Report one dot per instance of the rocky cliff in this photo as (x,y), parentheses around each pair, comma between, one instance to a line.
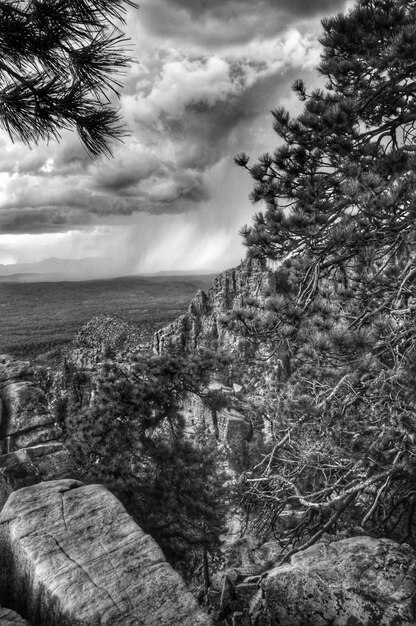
(70,554)
(201,325)
(355,580)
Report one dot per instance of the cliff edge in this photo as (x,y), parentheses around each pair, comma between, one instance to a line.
(201,325)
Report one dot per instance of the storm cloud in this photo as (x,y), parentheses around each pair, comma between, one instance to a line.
(230,22)
(208,73)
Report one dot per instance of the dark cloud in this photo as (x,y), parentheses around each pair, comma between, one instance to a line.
(120,180)
(198,113)
(42,220)
(186,186)
(57,206)
(223,8)
(135,165)
(205,134)
(202,137)
(230,22)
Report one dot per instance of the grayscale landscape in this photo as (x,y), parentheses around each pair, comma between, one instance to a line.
(208,313)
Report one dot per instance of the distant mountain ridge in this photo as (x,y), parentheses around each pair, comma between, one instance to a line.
(30,277)
(52,268)
(60,278)
(89,268)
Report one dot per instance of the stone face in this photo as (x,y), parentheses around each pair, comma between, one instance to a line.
(227,425)
(358,581)
(17,465)
(70,555)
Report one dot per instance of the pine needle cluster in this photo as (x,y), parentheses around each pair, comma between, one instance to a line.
(132,437)
(60,61)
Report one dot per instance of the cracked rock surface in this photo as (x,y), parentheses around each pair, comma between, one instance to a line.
(359,581)
(71,555)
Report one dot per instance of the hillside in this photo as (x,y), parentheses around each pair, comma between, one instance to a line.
(256,576)
(36,317)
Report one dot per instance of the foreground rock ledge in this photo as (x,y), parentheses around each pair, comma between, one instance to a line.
(71,555)
(358,581)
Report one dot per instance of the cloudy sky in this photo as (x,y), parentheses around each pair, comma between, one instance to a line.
(208,73)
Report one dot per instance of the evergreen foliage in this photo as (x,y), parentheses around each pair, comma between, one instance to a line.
(59,59)
(340,195)
(132,438)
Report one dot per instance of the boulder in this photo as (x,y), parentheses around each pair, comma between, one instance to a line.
(359,581)
(10,618)
(70,555)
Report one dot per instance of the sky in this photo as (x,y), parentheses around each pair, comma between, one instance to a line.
(207,75)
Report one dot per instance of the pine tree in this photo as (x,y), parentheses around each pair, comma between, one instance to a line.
(340,196)
(59,59)
(132,438)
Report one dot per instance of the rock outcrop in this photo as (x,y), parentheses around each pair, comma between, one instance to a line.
(70,555)
(357,581)
(212,322)
(30,439)
(25,417)
(201,324)
(24,409)
(106,337)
